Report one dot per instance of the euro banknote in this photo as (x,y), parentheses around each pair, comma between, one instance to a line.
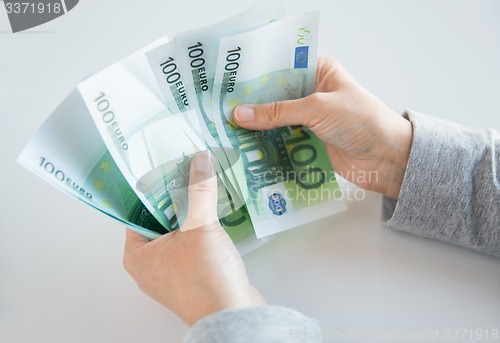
(287,170)
(154,110)
(149,146)
(68,152)
(197,54)
(164,65)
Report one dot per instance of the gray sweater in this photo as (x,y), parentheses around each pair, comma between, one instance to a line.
(450,192)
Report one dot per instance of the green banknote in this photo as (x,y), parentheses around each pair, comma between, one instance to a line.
(197,53)
(123,141)
(142,134)
(165,68)
(125,105)
(68,152)
(287,171)
(149,146)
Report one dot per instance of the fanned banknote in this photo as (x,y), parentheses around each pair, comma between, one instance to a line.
(122,102)
(287,170)
(197,54)
(68,152)
(165,68)
(144,137)
(136,125)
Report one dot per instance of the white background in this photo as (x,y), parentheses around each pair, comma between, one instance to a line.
(61,278)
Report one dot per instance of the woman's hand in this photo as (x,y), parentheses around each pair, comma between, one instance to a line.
(368,143)
(197,270)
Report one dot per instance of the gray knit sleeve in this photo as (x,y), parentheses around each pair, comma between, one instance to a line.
(265,324)
(451,189)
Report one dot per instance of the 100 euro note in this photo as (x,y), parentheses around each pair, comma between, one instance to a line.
(148,145)
(165,68)
(68,152)
(197,53)
(128,110)
(287,170)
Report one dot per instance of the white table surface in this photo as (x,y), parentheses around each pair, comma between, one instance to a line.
(61,278)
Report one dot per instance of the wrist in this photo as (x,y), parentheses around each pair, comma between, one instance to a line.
(395,157)
(250,298)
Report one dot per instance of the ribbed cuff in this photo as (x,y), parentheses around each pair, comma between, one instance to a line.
(263,324)
(446,184)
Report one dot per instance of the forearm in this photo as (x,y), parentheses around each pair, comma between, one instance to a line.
(451,188)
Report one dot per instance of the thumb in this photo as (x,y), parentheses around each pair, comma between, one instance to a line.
(133,241)
(275,114)
(202,193)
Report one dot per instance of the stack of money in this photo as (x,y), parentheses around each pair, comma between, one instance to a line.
(123,140)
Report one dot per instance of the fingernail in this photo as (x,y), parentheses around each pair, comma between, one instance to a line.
(203,163)
(244,114)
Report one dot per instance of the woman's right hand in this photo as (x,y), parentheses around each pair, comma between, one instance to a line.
(367,142)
